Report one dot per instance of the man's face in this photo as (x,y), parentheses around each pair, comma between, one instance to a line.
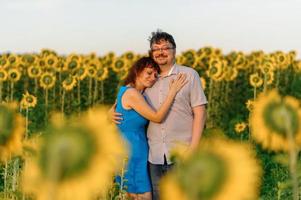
(163,53)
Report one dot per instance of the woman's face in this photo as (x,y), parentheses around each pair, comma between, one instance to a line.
(147,77)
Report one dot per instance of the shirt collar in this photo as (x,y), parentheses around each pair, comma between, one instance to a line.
(173,70)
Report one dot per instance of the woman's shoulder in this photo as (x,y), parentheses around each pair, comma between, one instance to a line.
(130,91)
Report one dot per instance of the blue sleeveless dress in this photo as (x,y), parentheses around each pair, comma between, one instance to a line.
(133,130)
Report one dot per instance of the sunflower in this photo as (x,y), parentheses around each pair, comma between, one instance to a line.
(230,73)
(208,51)
(3,62)
(81,73)
(47,80)
(34,71)
(69,83)
(130,56)
(119,64)
(3,75)
(76,160)
(102,73)
(74,57)
(180,59)
(273,118)
(240,127)
(255,80)
(51,61)
(92,71)
(267,67)
(250,105)
(11,131)
(297,65)
(123,74)
(281,59)
(240,61)
(215,68)
(189,58)
(13,59)
(14,75)
(60,66)
(28,101)
(212,172)
(269,78)
(41,62)
(72,65)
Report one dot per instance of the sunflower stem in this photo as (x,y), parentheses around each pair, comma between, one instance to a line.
(90,91)
(60,84)
(265,83)
(63,101)
(293,154)
(95,91)
(5,177)
(78,96)
(15,174)
(11,91)
(36,86)
(278,78)
(26,124)
(46,106)
(1,85)
(255,88)
(102,92)
(210,103)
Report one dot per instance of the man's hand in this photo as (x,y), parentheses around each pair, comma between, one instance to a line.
(114,116)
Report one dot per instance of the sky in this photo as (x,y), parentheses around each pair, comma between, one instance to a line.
(84,26)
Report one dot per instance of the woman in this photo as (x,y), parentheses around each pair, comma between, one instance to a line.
(135,113)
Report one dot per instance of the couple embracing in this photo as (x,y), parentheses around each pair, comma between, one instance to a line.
(161,104)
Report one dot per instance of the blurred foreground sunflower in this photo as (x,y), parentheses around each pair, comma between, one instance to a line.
(273,118)
(76,160)
(214,173)
(12,130)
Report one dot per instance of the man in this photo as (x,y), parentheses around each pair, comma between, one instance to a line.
(185,121)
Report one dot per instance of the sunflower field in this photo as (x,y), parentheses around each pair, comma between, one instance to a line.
(56,141)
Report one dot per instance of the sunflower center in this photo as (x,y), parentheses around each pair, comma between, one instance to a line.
(280,118)
(13,75)
(119,64)
(208,171)
(34,71)
(29,99)
(47,80)
(7,121)
(69,80)
(100,72)
(72,65)
(66,153)
(213,70)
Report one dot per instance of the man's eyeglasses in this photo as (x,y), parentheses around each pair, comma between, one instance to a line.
(164,49)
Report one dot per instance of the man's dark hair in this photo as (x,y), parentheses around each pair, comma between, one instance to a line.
(159,35)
